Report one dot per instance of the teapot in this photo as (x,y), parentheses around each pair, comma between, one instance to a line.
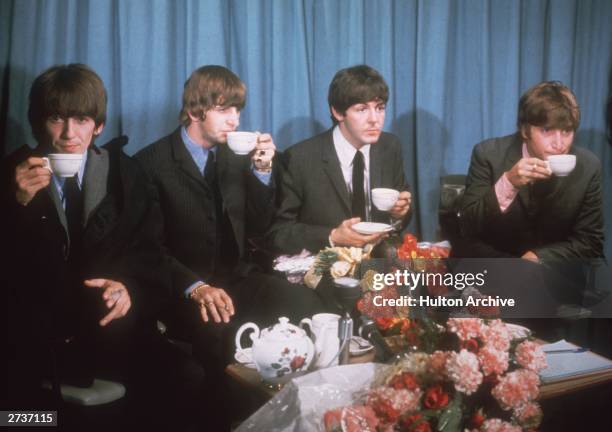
(280,352)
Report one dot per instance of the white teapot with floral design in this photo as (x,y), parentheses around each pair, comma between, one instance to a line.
(279,352)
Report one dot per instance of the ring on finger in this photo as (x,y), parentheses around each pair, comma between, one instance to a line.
(226,307)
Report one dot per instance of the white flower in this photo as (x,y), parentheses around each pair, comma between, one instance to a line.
(339,269)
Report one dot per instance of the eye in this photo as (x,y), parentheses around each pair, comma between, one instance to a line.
(55,119)
(82,119)
(221,108)
(381,107)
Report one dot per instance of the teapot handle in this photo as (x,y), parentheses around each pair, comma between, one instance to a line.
(306,321)
(242,329)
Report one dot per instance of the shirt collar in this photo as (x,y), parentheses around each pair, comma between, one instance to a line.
(346,151)
(197,152)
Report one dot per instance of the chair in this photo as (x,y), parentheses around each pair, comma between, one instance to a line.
(452,187)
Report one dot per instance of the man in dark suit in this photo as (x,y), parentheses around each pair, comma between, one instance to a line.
(85,271)
(213,201)
(515,207)
(327,185)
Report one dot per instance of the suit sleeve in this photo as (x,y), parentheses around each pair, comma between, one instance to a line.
(399,180)
(479,207)
(260,201)
(288,234)
(587,236)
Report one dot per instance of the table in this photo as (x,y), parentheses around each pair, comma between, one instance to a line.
(250,379)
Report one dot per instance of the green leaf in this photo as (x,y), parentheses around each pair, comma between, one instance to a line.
(276,365)
(450,417)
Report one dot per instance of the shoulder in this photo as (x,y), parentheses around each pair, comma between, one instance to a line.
(311,145)
(157,151)
(389,142)
(587,159)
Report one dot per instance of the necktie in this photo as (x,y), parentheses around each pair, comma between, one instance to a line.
(210,171)
(358,203)
(73,199)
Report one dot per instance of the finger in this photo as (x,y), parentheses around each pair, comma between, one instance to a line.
(212,308)
(203,312)
(114,313)
(228,302)
(97,283)
(352,221)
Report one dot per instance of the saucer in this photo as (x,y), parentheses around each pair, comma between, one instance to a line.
(245,358)
(371,228)
(359,345)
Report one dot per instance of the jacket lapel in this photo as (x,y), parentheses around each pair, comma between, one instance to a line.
(231,175)
(376,164)
(331,166)
(184,159)
(57,203)
(95,181)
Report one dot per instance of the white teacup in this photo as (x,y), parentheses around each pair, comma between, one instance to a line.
(562,165)
(63,164)
(324,329)
(242,142)
(384,199)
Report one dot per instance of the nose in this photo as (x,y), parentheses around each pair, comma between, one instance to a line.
(372,115)
(233,118)
(68,130)
(557,141)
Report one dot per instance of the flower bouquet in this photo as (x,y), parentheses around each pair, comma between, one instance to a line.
(477,378)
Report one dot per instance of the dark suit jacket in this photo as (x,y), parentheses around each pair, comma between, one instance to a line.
(559,218)
(188,208)
(42,291)
(314,197)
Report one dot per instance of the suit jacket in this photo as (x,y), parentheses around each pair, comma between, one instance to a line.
(188,207)
(558,218)
(314,198)
(43,289)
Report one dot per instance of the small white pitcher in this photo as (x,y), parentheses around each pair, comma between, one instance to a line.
(324,331)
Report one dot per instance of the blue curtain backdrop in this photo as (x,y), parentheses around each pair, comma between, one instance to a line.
(455,68)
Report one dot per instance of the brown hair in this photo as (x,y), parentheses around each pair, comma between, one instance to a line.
(548,104)
(72,90)
(209,86)
(353,85)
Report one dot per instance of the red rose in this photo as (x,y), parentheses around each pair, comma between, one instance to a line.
(385,323)
(435,397)
(405,380)
(477,419)
(384,409)
(471,345)
(297,362)
(414,423)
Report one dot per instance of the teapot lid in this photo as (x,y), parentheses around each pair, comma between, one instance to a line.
(282,331)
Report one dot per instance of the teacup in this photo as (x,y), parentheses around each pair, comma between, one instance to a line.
(241,143)
(384,199)
(324,330)
(63,164)
(562,165)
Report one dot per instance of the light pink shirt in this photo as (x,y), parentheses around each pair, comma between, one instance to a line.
(504,190)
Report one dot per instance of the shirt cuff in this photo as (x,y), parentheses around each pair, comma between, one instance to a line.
(505,192)
(193,286)
(263,177)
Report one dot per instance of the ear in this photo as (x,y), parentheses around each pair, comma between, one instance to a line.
(337,115)
(98,130)
(193,118)
(525,132)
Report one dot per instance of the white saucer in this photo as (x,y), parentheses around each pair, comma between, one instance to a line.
(245,358)
(517,331)
(371,227)
(359,345)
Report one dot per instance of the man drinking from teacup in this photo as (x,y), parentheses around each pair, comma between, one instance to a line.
(327,187)
(522,197)
(83,271)
(217,191)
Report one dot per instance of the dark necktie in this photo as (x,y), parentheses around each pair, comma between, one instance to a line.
(358,203)
(73,199)
(210,171)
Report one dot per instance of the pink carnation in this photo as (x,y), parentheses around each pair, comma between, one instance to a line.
(531,356)
(516,388)
(529,415)
(496,335)
(392,403)
(437,363)
(464,370)
(493,361)
(497,425)
(465,328)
